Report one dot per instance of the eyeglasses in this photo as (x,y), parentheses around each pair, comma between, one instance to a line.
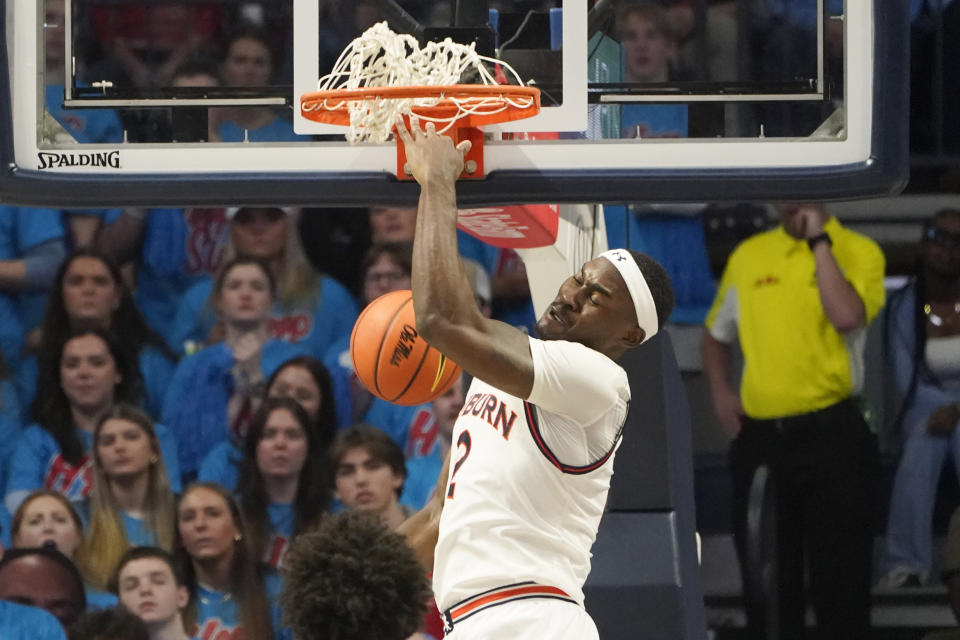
(942,236)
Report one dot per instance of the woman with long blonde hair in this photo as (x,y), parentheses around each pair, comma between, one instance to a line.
(131,503)
(311,309)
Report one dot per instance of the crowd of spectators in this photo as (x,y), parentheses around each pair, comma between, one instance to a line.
(132,448)
(177,402)
(218,449)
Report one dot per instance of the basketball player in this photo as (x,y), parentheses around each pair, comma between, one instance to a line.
(532,451)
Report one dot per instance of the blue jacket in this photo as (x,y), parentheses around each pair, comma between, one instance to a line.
(196,405)
(19,622)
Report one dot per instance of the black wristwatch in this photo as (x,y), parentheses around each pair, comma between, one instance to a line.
(817,239)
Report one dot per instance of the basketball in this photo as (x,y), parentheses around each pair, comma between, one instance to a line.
(391,359)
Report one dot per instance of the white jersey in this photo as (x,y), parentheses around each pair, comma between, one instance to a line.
(529,479)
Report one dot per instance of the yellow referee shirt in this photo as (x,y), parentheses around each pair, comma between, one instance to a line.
(795,361)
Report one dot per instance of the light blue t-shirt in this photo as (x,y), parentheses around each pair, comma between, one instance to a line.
(85,125)
(283,520)
(217,611)
(6,523)
(37,463)
(180,248)
(222,465)
(19,622)
(393,419)
(316,330)
(11,333)
(678,243)
(136,530)
(422,475)
(11,428)
(277,130)
(21,229)
(97,599)
(196,404)
(340,366)
(156,370)
(653,121)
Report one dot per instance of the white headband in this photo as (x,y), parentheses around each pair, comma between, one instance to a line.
(638,288)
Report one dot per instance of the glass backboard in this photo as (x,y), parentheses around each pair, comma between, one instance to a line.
(116,102)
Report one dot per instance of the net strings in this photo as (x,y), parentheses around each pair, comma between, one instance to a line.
(379,57)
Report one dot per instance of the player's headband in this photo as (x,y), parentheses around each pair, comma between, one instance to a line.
(638,288)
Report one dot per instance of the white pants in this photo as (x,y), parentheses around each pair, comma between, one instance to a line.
(532,619)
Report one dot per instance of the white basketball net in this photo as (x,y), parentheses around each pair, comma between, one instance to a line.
(380,57)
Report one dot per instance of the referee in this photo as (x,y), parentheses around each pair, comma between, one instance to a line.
(799,299)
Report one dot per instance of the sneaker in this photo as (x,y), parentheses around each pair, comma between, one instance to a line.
(900,578)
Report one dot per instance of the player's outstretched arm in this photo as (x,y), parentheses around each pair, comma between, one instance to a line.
(446,310)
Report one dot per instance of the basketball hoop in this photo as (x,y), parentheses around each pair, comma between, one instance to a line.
(382,76)
(457,110)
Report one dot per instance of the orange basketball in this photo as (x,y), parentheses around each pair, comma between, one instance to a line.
(391,359)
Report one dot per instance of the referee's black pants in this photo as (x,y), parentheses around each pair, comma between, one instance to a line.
(823,465)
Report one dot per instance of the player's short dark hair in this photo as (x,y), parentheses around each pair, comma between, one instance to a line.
(351,578)
(659,283)
(372,440)
(114,623)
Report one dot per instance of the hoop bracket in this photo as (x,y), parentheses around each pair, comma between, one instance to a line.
(472,161)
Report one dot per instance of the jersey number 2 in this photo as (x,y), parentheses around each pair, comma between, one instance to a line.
(464,440)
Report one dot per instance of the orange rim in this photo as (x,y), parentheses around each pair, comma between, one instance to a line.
(332,106)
